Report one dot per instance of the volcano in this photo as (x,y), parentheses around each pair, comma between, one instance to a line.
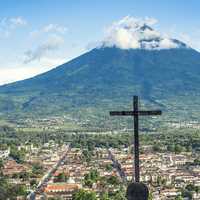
(108,76)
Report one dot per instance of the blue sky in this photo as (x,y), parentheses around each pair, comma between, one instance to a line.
(37,35)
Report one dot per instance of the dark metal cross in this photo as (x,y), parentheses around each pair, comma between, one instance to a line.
(135,113)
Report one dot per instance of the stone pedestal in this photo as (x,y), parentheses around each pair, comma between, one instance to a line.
(137,191)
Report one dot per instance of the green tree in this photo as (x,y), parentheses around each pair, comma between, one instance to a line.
(91,177)
(109,167)
(3,188)
(190,187)
(17,190)
(88,182)
(105,196)
(37,169)
(179,197)
(1,167)
(1,164)
(178,148)
(118,195)
(103,182)
(170,147)
(196,161)
(156,148)
(62,177)
(87,155)
(113,180)
(17,155)
(150,196)
(24,175)
(84,195)
(187,194)
(33,182)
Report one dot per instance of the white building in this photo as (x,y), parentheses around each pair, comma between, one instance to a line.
(4,153)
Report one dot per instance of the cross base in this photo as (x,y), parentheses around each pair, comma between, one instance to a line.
(137,191)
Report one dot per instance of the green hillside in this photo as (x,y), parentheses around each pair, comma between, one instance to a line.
(107,78)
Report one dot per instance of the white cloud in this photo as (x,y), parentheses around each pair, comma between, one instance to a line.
(133,33)
(166,43)
(50,62)
(38,59)
(22,71)
(189,36)
(150,21)
(150,34)
(50,28)
(17,21)
(55,28)
(191,39)
(121,37)
(53,43)
(13,74)
(8,25)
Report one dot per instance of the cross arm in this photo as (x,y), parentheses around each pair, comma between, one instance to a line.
(132,113)
(122,113)
(150,112)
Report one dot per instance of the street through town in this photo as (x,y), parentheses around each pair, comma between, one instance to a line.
(48,175)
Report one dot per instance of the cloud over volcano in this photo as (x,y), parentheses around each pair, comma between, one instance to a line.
(133,33)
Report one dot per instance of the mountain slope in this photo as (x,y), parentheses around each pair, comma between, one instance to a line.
(105,77)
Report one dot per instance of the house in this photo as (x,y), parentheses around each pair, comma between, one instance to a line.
(11,167)
(64,190)
(4,153)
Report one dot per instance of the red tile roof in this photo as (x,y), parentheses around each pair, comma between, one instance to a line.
(61,187)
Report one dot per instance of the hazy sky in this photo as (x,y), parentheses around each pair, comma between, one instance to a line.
(37,35)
